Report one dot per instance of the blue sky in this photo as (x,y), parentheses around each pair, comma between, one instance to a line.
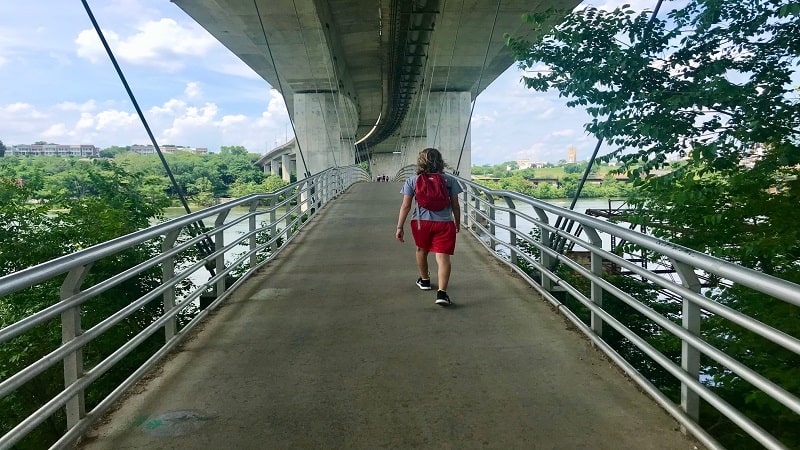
(59,86)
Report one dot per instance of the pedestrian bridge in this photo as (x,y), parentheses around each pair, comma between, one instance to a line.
(314,335)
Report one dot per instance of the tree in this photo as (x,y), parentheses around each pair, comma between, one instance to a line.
(2,149)
(272,183)
(715,81)
(113,151)
(232,150)
(116,207)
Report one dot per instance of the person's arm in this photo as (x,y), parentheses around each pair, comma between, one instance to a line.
(456,210)
(405,208)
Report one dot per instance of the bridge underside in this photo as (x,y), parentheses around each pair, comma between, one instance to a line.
(373,77)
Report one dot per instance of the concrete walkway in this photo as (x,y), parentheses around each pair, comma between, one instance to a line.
(333,346)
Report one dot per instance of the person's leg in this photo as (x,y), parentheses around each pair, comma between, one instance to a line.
(422,263)
(443,265)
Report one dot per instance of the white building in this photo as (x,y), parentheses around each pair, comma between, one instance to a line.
(527,164)
(82,150)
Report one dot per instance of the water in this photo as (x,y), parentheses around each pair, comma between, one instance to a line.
(581,206)
(230,234)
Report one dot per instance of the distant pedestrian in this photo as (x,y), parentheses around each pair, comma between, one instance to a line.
(435,221)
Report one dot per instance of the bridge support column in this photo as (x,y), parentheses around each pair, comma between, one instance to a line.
(447,120)
(287,167)
(323,135)
(275,168)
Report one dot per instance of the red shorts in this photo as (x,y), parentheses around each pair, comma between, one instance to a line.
(436,237)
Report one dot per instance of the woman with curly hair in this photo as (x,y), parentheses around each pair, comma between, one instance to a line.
(434,229)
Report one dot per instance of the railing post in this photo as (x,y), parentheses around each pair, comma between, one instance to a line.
(544,258)
(71,329)
(466,221)
(167,272)
(303,194)
(219,244)
(492,227)
(323,186)
(273,226)
(251,222)
(596,266)
(512,223)
(690,356)
(476,204)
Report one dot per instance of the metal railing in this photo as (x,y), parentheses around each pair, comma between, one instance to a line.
(519,231)
(273,219)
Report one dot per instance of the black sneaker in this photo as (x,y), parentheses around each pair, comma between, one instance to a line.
(425,285)
(442,299)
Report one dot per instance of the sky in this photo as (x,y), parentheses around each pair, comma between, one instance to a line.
(58,85)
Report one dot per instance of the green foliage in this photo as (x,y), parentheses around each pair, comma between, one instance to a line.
(609,188)
(113,203)
(273,183)
(717,81)
(113,151)
(269,184)
(2,149)
(53,176)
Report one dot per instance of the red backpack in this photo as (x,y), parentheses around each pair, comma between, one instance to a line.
(431,191)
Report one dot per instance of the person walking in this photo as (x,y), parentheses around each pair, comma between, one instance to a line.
(435,221)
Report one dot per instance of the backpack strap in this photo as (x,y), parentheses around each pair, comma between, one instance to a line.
(419,215)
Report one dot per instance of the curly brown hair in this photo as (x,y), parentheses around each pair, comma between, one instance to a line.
(430,161)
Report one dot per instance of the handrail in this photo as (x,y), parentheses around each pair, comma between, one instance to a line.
(518,230)
(282,213)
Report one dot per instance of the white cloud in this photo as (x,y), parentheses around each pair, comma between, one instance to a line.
(89,105)
(90,47)
(163,43)
(56,132)
(479,120)
(564,133)
(114,120)
(193,90)
(231,121)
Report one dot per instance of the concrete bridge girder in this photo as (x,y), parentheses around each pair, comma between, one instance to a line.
(381,55)
(325,124)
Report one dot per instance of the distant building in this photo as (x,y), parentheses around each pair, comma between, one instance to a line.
(82,150)
(150,150)
(526,164)
(572,155)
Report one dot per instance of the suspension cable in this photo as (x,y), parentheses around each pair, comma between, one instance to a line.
(205,246)
(447,78)
(316,87)
(280,88)
(478,88)
(337,99)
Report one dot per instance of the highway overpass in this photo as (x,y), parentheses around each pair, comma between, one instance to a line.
(372,80)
